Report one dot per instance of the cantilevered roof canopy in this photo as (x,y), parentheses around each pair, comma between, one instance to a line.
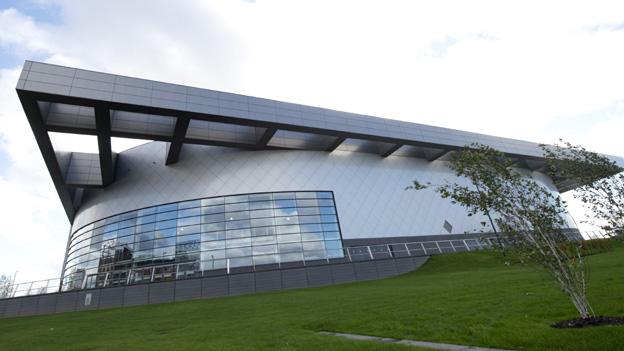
(71,100)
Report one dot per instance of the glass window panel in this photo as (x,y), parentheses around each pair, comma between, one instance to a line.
(310,228)
(189,204)
(306,203)
(285,203)
(125,232)
(263,240)
(165,252)
(260,231)
(309,219)
(325,202)
(262,222)
(265,259)
(236,198)
(238,242)
(127,223)
(315,255)
(283,196)
(234,216)
(261,213)
(213,255)
(165,233)
(243,206)
(144,236)
(212,218)
(329,219)
(295,247)
(286,229)
(332,235)
(260,197)
(286,220)
(213,245)
(306,211)
(146,227)
(167,215)
(260,205)
(164,242)
(313,246)
(188,221)
(311,236)
(327,210)
(330,227)
(188,230)
(238,233)
(324,195)
(146,211)
(166,224)
(213,236)
(145,245)
(189,239)
(264,249)
(125,240)
(291,257)
(166,208)
(286,212)
(109,235)
(213,201)
(213,209)
(211,227)
(240,262)
(289,238)
(191,212)
(305,195)
(237,224)
(238,252)
(143,255)
(333,245)
(186,256)
(146,219)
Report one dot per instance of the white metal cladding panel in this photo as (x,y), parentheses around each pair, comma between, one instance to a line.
(369,190)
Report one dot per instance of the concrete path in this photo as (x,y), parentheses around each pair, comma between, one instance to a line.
(431,345)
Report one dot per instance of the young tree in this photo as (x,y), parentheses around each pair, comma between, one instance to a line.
(6,286)
(530,215)
(599,180)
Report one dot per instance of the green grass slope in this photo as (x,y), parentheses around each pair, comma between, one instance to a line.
(469,298)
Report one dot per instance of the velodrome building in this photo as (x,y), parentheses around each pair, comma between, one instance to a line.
(233,183)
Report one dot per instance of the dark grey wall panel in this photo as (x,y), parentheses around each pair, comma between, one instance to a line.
(47,304)
(419,261)
(2,307)
(319,275)
(136,295)
(111,297)
(295,278)
(66,302)
(28,306)
(241,284)
(365,270)
(12,307)
(268,281)
(188,289)
(343,273)
(161,292)
(386,268)
(88,300)
(404,265)
(215,286)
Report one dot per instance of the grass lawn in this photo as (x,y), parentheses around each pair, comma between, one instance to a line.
(468,298)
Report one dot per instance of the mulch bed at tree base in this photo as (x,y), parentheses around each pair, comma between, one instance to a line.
(588,322)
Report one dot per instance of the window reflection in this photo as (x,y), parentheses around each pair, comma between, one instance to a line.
(213,233)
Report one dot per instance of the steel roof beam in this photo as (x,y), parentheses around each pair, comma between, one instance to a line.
(179,134)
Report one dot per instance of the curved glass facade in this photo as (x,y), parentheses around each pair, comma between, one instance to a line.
(206,234)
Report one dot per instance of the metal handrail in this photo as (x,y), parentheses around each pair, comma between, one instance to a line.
(173,271)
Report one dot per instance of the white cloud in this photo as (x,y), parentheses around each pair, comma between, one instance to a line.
(530,70)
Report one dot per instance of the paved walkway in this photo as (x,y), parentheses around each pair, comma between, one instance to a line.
(431,345)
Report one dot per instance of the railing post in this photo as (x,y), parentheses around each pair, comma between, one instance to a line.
(467,247)
(389,251)
(452,245)
(129,276)
(47,284)
(227,265)
(177,270)
(106,279)
(407,249)
(152,276)
(29,288)
(438,245)
(370,252)
(423,247)
(348,254)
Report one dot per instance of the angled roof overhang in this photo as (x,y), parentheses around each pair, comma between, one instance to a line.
(71,100)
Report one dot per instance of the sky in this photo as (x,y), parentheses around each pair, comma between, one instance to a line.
(530,70)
